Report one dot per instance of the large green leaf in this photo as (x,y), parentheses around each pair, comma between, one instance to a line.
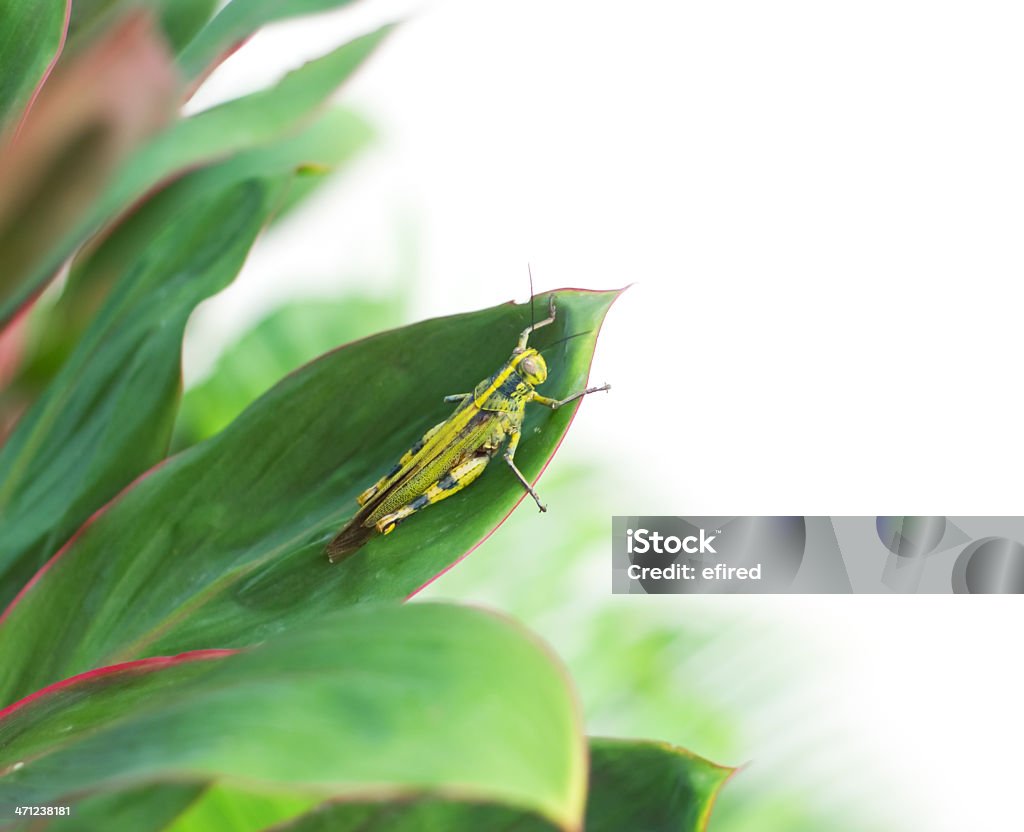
(223,545)
(108,414)
(31,35)
(383,700)
(237,21)
(249,122)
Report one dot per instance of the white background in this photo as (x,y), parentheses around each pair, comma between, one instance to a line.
(820,205)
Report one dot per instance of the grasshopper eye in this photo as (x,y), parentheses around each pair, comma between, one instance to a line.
(533,369)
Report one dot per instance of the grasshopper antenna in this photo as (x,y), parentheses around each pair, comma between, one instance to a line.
(563,340)
(534,323)
(533,316)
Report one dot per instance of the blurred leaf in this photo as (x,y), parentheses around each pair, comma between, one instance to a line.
(504,574)
(331,141)
(180,20)
(650,787)
(12,345)
(285,340)
(147,808)
(618,653)
(56,328)
(310,179)
(31,36)
(13,339)
(223,544)
(109,413)
(634,785)
(239,20)
(238,809)
(245,123)
(91,114)
(416,815)
(626,655)
(392,701)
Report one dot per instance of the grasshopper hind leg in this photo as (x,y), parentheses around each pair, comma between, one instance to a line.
(451,483)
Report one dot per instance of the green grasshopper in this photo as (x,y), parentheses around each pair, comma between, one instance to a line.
(452,454)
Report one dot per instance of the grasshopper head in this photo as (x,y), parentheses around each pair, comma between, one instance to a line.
(532,367)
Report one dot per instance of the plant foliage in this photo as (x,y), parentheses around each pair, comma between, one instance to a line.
(175,650)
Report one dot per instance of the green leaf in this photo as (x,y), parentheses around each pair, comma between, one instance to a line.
(109,412)
(101,104)
(223,545)
(634,785)
(236,22)
(148,808)
(31,36)
(332,141)
(650,787)
(245,123)
(239,809)
(383,700)
(180,20)
(428,814)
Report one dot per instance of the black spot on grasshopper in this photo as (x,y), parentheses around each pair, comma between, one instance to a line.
(510,385)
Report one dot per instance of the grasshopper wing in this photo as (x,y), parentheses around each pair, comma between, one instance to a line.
(468,430)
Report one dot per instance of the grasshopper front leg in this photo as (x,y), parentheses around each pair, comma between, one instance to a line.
(509,455)
(554,404)
(515,435)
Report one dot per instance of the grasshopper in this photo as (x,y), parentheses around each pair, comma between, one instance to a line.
(452,454)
